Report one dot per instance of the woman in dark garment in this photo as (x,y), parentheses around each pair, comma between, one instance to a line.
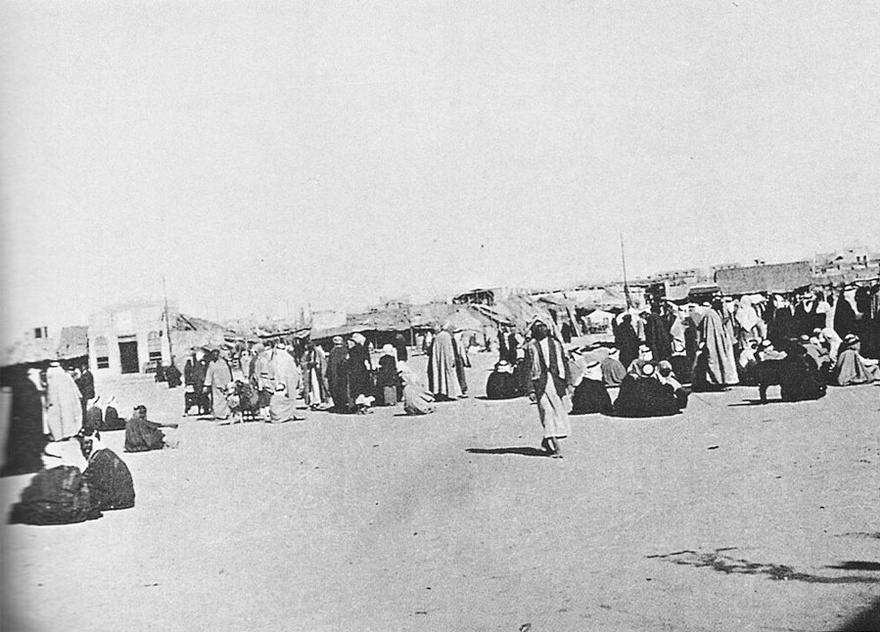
(337,376)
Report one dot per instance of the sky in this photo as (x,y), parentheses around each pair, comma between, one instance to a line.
(265,156)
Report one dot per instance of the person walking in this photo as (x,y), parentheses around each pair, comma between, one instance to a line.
(549,382)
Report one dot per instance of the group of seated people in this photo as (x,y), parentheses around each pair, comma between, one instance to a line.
(805,366)
(65,494)
(646,388)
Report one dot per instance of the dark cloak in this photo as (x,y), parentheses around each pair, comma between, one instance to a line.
(591,396)
(109,480)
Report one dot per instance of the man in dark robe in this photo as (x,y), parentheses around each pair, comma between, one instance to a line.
(657,335)
(337,376)
(626,340)
(108,477)
(800,381)
(194,381)
(172,374)
(359,368)
(783,325)
(142,435)
(806,315)
(86,384)
(400,347)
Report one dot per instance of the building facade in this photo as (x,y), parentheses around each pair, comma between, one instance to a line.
(130,338)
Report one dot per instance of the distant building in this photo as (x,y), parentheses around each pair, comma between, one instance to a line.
(846,265)
(777,278)
(475,297)
(130,337)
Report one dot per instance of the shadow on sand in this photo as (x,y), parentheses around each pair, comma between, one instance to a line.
(756,402)
(522,451)
(866,621)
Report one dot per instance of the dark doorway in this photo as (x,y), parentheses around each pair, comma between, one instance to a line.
(128,357)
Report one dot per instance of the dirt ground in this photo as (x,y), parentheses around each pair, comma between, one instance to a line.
(731,516)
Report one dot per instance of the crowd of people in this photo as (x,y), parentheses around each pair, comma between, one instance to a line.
(264,380)
(802,343)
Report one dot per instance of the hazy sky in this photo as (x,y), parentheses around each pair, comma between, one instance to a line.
(266,154)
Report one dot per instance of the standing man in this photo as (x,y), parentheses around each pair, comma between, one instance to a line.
(194,380)
(86,385)
(442,367)
(217,377)
(550,377)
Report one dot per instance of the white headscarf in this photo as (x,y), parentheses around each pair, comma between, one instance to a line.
(746,315)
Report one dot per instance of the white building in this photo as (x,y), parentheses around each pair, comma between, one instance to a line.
(130,337)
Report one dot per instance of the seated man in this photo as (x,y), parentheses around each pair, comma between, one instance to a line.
(800,380)
(851,368)
(666,376)
(416,400)
(590,394)
(613,371)
(142,435)
(503,383)
(108,477)
(642,395)
(281,407)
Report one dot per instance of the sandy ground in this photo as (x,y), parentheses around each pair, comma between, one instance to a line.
(449,522)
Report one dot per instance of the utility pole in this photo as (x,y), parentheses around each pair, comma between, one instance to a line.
(625,284)
(167,323)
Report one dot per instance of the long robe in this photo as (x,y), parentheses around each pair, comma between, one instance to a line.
(591,396)
(25,440)
(442,369)
(715,365)
(142,435)
(109,480)
(217,377)
(800,381)
(627,341)
(360,382)
(337,377)
(316,376)
(851,370)
(86,385)
(658,337)
(613,371)
(503,385)
(286,372)
(281,408)
(64,413)
(416,400)
(549,381)
(461,362)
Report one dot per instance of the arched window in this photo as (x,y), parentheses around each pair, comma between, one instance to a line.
(102,353)
(154,346)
